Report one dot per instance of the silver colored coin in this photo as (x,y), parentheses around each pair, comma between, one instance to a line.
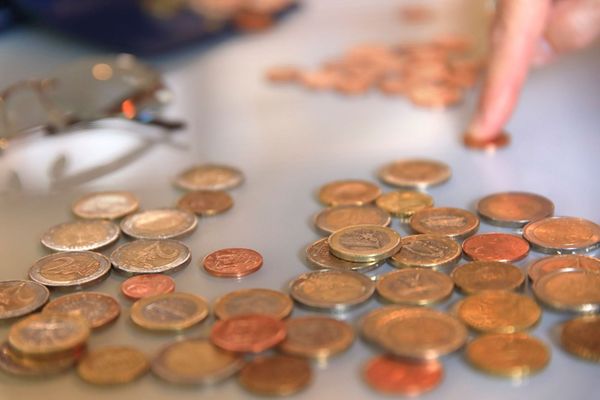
(81,235)
(18,298)
(150,256)
(209,177)
(105,205)
(70,269)
(319,257)
(161,223)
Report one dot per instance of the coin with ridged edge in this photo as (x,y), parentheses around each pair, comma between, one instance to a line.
(495,247)
(391,375)
(581,337)
(348,192)
(209,177)
(146,285)
(253,301)
(98,309)
(70,269)
(569,289)
(160,223)
(546,265)
(206,202)
(150,256)
(319,257)
(404,204)
(316,337)
(428,251)
(105,205)
(415,286)
(414,173)
(17,364)
(232,262)
(18,298)
(478,276)
(364,243)
(514,209)
(171,312)
(81,235)
(556,235)
(248,333)
(336,218)
(112,365)
(453,222)
(276,375)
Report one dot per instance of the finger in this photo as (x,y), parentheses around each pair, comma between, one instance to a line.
(573,24)
(516,31)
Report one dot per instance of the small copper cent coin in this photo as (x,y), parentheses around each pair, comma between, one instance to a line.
(392,375)
(569,289)
(170,312)
(581,337)
(319,256)
(15,363)
(206,202)
(81,235)
(453,222)
(112,365)
(349,192)
(98,309)
(250,333)
(336,218)
(140,286)
(253,301)
(316,337)
(105,205)
(232,262)
(150,256)
(276,375)
(427,250)
(498,142)
(414,173)
(514,209)
(477,276)
(404,204)
(364,243)
(210,177)
(160,223)
(556,235)
(415,286)
(495,247)
(546,265)
(18,298)
(70,269)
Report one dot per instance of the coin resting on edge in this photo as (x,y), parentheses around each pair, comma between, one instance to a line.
(452,222)
(18,298)
(416,286)
(514,209)
(364,243)
(316,337)
(98,309)
(497,142)
(250,333)
(572,290)
(546,265)
(427,250)
(70,269)
(17,364)
(276,375)
(478,276)
(172,311)
(581,337)
(348,192)
(81,235)
(105,205)
(112,365)
(319,257)
(233,262)
(336,218)
(404,204)
(253,301)
(209,177)
(329,289)
(391,375)
(562,235)
(140,286)
(206,202)
(415,173)
(495,247)
(150,256)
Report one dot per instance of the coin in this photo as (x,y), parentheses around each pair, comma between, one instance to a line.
(206,202)
(391,375)
(140,286)
(209,177)
(98,309)
(498,142)
(499,311)
(253,301)
(232,263)
(20,365)
(18,298)
(569,289)
(562,235)
(161,223)
(195,361)
(550,264)
(319,256)
(80,235)
(364,243)
(581,336)
(150,256)
(172,311)
(105,205)
(250,333)
(414,173)
(276,375)
(435,95)
(348,192)
(370,321)
(283,73)
(514,209)
(329,289)
(477,276)
(316,337)
(336,218)
(112,365)
(41,334)
(495,247)
(513,355)
(415,286)
(70,269)
(452,222)
(404,204)
(428,250)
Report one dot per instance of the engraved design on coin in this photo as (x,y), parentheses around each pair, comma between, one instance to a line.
(162,223)
(546,265)
(514,209)
(426,250)
(415,286)
(234,262)
(67,269)
(169,310)
(150,256)
(80,235)
(209,177)
(18,298)
(414,173)
(316,337)
(349,192)
(569,289)
(335,218)
(360,239)
(109,205)
(319,256)
(253,301)
(98,309)
(563,234)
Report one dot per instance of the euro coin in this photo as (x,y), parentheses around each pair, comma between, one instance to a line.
(169,312)
(161,223)
(105,205)
(98,309)
(495,247)
(556,235)
(232,262)
(514,209)
(15,363)
(414,173)
(546,265)
(414,286)
(404,204)
(427,251)
(396,376)
(140,286)
(364,243)
(150,256)
(209,177)
(349,192)
(18,298)
(336,218)
(316,337)
(477,276)
(81,235)
(276,375)
(319,256)
(581,337)
(70,269)
(568,289)
(452,222)
(253,301)
(112,365)
(206,202)
(249,333)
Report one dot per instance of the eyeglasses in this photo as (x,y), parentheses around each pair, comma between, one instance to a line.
(85,91)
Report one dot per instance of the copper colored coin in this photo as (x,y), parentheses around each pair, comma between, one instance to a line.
(498,142)
(391,375)
(336,218)
(98,309)
(495,247)
(348,192)
(284,73)
(276,375)
(546,265)
(316,337)
(319,257)
(209,177)
(562,235)
(435,95)
(232,263)
(253,301)
(18,364)
(206,202)
(414,173)
(478,276)
(140,286)
(318,80)
(251,333)
(514,209)
(453,222)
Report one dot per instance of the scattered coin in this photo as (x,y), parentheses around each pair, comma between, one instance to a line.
(253,301)
(498,142)
(172,311)
(414,174)
(206,202)
(435,95)
(369,322)
(70,269)
(562,235)
(232,263)
(276,375)
(316,337)
(105,205)
(364,243)
(349,192)
(404,204)
(514,355)
(147,285)
(335,218)
(250,333)
(161,223)
(546,265)
(283,74)
(209,177)
(427,250)
(112,365)
(499,311)
(452,222)
(514,209)
(195,361)
(18,298)
(319,256)
(329,289)
(495,247)
(18,364)
(80,235)
(581,337)
(569,289)
(415,286)
(98,309)
(392,375)
(477,276)
(150,256)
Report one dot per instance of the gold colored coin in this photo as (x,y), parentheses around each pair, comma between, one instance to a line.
(17,364)
(316,337)
(172,311)
(276,375)
(546,265)
(569,289)
(499,311)
(112,365)
(417,173)
(415,286)
(336,218)
(81,235)
(253,301)
(514,355)
(364,243)
(161,223)
(478,276)
(348,192)
(581,336)
(18,298)
(319,256)
(404,204)
(98,309)
(146,256)
(556,235)
(452,222)
(427,250)
(206,202)
(209,177)
(514,209)
(369,322)
(70,269)
(105,205)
